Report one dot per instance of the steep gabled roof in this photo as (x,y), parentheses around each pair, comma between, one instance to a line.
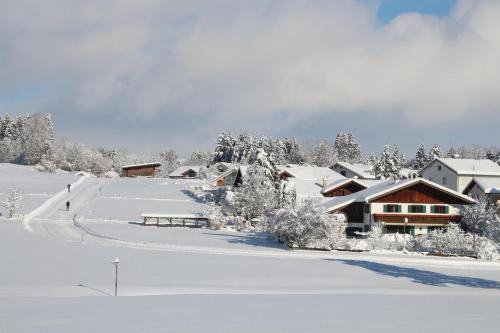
(489,185)
(180,171)
(361,170)
(385,188)
(366,183)
(466,166)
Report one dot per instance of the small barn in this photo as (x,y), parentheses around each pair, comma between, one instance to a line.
(143,169)
(185,172)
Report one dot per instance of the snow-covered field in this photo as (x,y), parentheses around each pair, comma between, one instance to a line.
(125,199)
(35,186)
(197,280)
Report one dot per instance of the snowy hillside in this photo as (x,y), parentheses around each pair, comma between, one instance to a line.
(35,186)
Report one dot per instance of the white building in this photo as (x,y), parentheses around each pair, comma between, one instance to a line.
(422,203)
(457,173)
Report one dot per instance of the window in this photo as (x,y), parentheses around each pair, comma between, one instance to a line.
(416,209)
(445,181)
(439,209)
(367,208)
(392,208)
(439,167)
(343,173)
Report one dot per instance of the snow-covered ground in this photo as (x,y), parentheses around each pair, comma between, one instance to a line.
(125,199)
(35,186)
(192,280)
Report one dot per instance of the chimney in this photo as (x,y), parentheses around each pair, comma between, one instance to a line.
(325,182)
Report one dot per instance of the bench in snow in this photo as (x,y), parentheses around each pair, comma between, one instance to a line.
(171,218)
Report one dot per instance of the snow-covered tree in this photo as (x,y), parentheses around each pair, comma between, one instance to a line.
(199,158)
(12,201)
(482,220)
(169,162)
(256,197)
(320,153)
(452,152)
(293,154)
(309,226)
(261,159)
(37,138)
(347,148)
(434,153)
(287,194)
(389,164)
(224,148)
(421,158)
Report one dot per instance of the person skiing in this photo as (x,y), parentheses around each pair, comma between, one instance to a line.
(67,205)
(69,187)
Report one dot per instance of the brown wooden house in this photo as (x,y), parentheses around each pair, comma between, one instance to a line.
(143,170)
(413,206)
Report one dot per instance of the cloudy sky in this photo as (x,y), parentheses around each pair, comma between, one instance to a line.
(155,74)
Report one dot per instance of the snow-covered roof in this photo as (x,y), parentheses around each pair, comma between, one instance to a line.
(366,183)
(489,185)
(312,173)
(226,173)
(407,173)
(141,165)
(307,189)
(385,188)
(465,166)
(180,171)
(360,169)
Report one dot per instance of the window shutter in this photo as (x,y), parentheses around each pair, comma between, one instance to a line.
(424,209)
(446,209)
(385,208)
(433,209)
(399,209)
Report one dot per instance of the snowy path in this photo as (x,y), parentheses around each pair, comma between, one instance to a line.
(52,218)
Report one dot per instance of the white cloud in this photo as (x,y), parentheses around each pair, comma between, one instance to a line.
(241,62)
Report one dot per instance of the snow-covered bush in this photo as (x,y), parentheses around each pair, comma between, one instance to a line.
(487,250)
(451,241)
(482,220)
(217,219)
(46,166)
(12,201)
(309,226)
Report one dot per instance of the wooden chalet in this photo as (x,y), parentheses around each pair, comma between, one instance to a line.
(422,203)
(144,170)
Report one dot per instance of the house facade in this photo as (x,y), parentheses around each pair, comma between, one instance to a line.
(456,173)
(413,206)
(140,170)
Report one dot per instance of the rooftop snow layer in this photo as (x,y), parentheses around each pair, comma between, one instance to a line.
(489,185)
(362,170)
(463,166)
(180,171)
(312,173)
(141,165)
